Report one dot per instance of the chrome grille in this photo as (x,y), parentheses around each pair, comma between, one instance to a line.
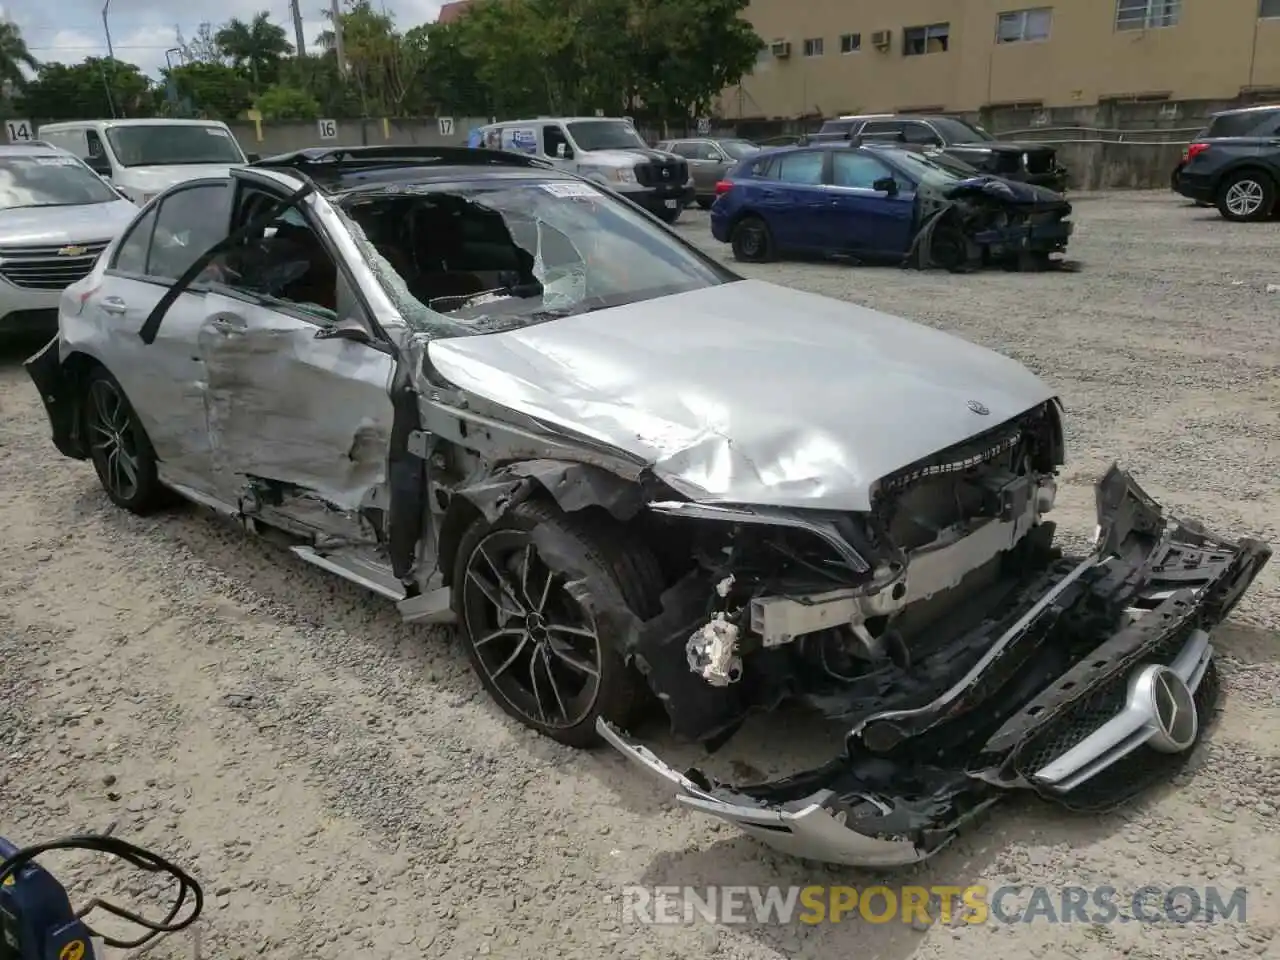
(42,266)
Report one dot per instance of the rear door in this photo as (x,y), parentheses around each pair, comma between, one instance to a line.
(164,380)
(793,199)
(861,219)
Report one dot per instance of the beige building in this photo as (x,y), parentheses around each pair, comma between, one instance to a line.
(827,57)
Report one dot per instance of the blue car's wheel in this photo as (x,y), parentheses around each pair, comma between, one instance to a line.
(751,240)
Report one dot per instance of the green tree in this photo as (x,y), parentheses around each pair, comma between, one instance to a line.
(203,47)
(257,46)
(286,103)
(383,68)
(217,91)
(686,51)
(14,55)
(317,74)
(97,87)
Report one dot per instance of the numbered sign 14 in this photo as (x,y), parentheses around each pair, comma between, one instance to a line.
(328,129)
(19,130)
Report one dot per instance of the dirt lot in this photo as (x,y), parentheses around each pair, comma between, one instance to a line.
(341,786)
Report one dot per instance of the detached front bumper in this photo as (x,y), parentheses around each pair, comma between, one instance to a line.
(1136,617)
(1034,238)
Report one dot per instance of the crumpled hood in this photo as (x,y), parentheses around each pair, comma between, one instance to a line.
(155,179)
(88,222)
(1013,191)
(749,392)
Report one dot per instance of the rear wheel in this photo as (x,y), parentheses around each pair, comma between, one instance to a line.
(543,657)
(119,447)
(1246,196)
(751,240)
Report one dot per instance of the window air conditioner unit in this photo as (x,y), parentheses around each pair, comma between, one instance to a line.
(881,39)
(781,49)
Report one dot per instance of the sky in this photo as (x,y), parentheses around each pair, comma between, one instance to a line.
(142,30)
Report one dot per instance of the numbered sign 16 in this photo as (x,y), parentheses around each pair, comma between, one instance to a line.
(328,129)
(19,130)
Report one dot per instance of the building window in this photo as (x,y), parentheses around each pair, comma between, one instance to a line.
(1017,25)
(1147,14)
(935,38)
(1269,9)
(850,42)
(813,47)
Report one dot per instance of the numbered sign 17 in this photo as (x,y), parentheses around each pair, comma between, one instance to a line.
(328,129)
(19,130)
(446,126)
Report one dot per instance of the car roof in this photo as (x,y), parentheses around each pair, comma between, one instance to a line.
(32,148)
(343,170)
(1259,108)
(142,122)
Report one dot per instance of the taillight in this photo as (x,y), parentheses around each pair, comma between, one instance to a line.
(1195,150)
(723,187)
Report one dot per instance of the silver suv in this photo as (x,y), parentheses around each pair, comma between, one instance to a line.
(56,217)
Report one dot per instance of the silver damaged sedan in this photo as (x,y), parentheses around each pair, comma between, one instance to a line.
(499,395)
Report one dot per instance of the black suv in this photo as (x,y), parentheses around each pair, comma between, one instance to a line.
(1034,163)
(1235,165)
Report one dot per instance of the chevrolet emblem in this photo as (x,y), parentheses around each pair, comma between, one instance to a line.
(73,251)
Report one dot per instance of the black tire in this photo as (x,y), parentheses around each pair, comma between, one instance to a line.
(669,216)
(704,203)
(498,640)
(751,240)
(119,447)
(1246,196)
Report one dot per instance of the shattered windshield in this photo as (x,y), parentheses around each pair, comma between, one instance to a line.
(50,181)
(497,256)
(172,144)
(606,135)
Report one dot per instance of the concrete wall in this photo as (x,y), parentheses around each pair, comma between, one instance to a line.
(1218,49)
(284,137)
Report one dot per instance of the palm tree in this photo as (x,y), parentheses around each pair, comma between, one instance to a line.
(259,45)
(14,55)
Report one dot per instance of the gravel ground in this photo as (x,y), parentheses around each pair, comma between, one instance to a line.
(341,786)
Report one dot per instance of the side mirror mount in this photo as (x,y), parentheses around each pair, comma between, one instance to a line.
(563,152)
(253,157)
(99,165)
(348,330)
(886,185)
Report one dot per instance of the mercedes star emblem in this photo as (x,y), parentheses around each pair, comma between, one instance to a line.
(1173,710)
(978,408)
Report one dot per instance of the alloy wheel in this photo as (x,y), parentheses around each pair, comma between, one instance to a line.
(537,646)
(1245,197)
(112,440)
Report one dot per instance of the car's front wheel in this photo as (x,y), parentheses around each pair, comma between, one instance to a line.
(669,216)
(549,662)
(119,447)
(1247,196)
(751,240)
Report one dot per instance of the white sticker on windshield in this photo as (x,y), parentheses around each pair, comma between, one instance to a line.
(215,132)
(571,190)
(57,161)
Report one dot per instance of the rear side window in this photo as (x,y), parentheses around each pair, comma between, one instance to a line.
(1255,123)
(800,168)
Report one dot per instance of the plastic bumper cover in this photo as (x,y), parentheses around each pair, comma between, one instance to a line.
(1063,743)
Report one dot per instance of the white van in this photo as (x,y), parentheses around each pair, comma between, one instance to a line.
(606,149)
(143,157)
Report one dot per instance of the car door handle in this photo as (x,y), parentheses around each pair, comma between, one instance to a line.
(113,305)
